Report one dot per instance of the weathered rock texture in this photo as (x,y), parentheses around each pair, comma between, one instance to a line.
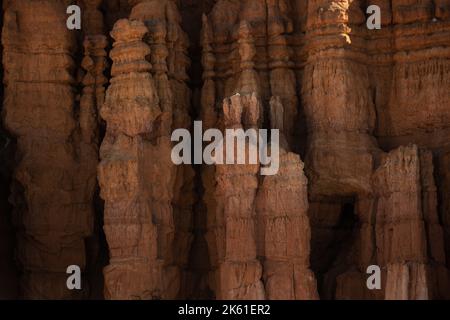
(130,110)
(386,89)
(93,81)
(258,229)
(53,184)
(368,111)
(146,100)
(8,272)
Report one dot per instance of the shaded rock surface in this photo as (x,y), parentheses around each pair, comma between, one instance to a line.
(85,149)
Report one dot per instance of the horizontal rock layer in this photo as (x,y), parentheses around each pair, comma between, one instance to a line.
(364,167)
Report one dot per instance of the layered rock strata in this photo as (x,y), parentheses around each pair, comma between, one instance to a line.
(52,188)
(254,207)
(284,232)
(408,236)
(391,76)
(131,109)
(94,80)
(169,45)
(367,110)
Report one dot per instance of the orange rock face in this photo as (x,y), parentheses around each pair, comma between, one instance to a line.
(52,191)
(363,178)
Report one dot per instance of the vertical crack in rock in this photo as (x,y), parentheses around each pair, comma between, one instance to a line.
(196,278)
(94,65)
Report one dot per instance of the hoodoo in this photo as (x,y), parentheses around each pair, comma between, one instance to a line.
(116,157)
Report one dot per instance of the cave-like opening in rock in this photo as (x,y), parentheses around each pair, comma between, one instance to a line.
(332,238)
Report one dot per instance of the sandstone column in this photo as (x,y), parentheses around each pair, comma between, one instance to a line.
(131,111)
(173,196)
(337,101)
(283,224)
(417,107)
(283,83)
(239,272)
(405,222)
(239,70)
(232,217)
(52,193)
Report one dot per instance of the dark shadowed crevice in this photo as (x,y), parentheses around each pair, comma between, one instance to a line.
(8,270)
(97,253)
(195,284)
(97,245)
(331,241)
